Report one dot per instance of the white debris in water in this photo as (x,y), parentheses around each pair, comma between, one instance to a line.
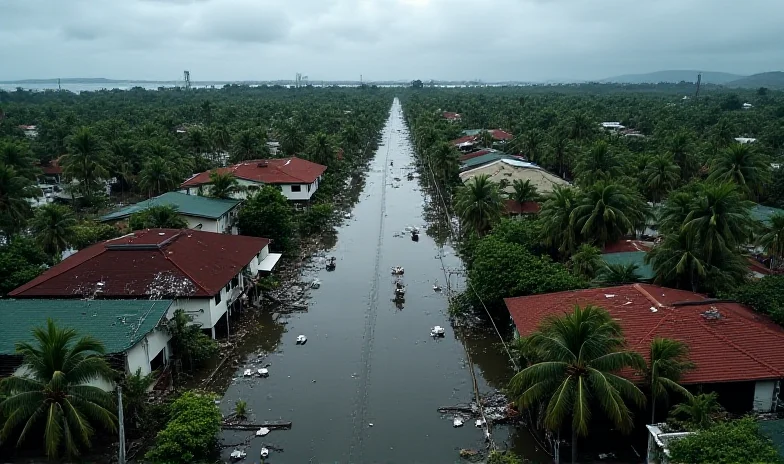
(262,432)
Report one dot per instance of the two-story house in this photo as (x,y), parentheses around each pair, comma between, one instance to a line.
(208,275)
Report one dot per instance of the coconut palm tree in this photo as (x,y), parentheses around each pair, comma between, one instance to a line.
(772,240)
(17,156)
(54,394)
(741,164)
(86,160)
(618,274)
(607,211)
(533,142)
(322,149)
(15,190)
(246,147)
(53,227)
(580,127)
(292,140)
(720,220)
(661,175)
(197,141)
(579,356)
(673,213)
(351,138)
(223,185)
(667,362)
(679,149)
(158,176)
(699,410)
(678,259)
(558,230)
(561,150)
(523,192)
(478,204)
(222,139)
(445,162)
(586,262)
(486,139)
(157,217)
(598,163)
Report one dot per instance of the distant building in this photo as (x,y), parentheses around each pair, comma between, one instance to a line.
(745,140)
(29,131)
(273,147)
(736,351)
(451,117)
(201,213)
(297,179)
(613,126)
(506,171)
(747,106)
(208,275)
(471,138)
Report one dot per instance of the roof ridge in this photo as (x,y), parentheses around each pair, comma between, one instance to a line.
(729,342)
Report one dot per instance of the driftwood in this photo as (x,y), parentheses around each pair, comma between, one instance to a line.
(460,409)
(269,425)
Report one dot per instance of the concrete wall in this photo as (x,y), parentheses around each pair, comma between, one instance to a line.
(306,190)
(765,394)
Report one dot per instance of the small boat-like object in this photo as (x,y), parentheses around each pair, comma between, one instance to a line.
(436,287)
(315,284)
(264,452)
(400,292)
(331,263)
(437,331)
(457,422)
(415,235)
(397,270)
(301,339)
(247,373)
(238,455)
(263,372)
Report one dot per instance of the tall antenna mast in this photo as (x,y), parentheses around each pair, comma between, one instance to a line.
(187,75)
(699,81)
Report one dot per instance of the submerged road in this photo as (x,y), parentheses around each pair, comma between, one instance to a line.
(366,386)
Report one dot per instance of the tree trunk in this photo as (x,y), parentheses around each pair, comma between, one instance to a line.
(574,445)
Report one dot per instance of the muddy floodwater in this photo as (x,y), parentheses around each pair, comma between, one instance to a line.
(366,386)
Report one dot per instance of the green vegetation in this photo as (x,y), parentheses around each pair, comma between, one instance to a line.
(267,213)
(762,295)
(192,433)
(188,342)
(54,395)
(157,217)
(21,261)
(725,443)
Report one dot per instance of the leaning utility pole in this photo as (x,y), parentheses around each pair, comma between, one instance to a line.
(121,456)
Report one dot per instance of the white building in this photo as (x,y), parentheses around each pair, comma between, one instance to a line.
(201,213)
(297,179)
(208,275)
(745,140)
(131,331)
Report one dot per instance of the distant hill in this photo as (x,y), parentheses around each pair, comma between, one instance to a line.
(772,80)
(708,77)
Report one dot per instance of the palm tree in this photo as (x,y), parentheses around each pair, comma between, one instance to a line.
(618,274)
(661,174)
(17,156)
(586,262)
(86,160)
(719,220)
(743,165)
(223,185)
(558,231)
(246,147)
(579,356)
(53,226)
(699,410)
(667,362)
(524,191)
(15,190)
(533,142)
(486,139)
(54,394)
(679,149)
(351,138)
(598,163)
(673,213)
(772,241)
(678,258)
(157,176)
(197,141)
(292,140)
(580,127)
(608,211)
(322,149)
(560,150)
(445,163)
(478,204)
(222,139)
(157,217)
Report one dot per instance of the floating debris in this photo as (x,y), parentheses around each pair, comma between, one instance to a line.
(301,339)
(262,432)
(437,331)
(398,270)
(247,373)
(315,284)
(347,215)
(264,452)
(238,454)
(457,422)
(480,422)
(263,372)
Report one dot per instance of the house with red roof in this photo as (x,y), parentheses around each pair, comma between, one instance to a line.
(451,116)
(208,275)
(736,351)
(471,138)
(297,178)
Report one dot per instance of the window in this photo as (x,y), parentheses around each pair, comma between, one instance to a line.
(296,188)
(217,298)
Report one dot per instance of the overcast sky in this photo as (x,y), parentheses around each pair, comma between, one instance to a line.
(386,39)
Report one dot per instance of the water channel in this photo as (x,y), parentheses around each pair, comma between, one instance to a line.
(366,386)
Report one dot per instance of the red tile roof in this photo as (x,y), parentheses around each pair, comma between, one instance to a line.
(272,171)
(153,262)
(739,345)
(499,134)
(464,139)
(451,115)
(474,154)
(528,207)
(622,246)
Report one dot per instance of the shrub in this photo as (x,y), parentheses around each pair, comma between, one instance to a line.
(725,443)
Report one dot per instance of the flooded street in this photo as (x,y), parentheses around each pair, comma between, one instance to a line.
(367,361)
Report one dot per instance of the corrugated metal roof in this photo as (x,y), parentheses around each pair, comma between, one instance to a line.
(764,213)
(187,205)
(728,342)
(118,324)
(484,159)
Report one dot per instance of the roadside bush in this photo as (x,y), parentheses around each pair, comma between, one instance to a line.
(725,443)
(191,435)
(317,219)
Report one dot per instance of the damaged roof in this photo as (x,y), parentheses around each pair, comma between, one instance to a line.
(118,324)
(153,263)
(728,342)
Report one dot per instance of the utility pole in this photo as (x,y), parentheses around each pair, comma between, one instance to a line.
(121,456)
(699,81)
(187,76)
